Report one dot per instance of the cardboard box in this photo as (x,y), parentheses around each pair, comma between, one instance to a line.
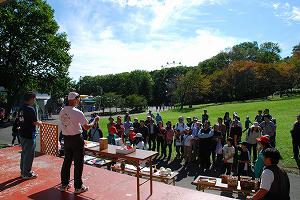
(103,143)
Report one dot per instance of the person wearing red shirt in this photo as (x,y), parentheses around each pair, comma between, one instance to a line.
(132,135)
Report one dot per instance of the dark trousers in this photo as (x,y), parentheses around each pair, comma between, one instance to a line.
(296,146)
(169,145)
(160,145)
(227,168)
(273,140)
(227,132)
(164,148)
(74,150)
(204,153)
(14,138)
(27,155)
(213,150)
(152,142)
(178,150)
(252,148)
(219,163)
(241,171)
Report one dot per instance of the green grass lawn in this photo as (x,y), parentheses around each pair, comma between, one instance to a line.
(285,112)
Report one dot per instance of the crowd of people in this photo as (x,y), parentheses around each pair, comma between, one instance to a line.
(216,146)
(195,140)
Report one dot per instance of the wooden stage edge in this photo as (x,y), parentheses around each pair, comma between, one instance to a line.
(103,184)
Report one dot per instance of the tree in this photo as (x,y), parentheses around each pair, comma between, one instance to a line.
(192,87)
(295,62)
(269,52)
(136,102)
(120,102)
(245,51)
(296,51)
(221,89)
(242,80)
(165,83)
(33,55)
(110,100)
(267,77)
(140,82)
(219,61)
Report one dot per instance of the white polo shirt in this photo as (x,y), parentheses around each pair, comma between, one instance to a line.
(267,178)
(71,120)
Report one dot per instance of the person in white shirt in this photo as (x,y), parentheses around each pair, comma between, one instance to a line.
(253,133)
(195,142)
(140,143)
(187,142)
(72,120)
(179,129)
(228,153)
(275,183)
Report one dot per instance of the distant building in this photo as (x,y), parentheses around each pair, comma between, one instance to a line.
(87,103)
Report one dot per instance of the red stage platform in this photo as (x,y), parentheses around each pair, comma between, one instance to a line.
(103,184)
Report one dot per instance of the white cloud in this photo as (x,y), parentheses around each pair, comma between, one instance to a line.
(134,3)
(166,10)
(295,14)
(100,44)
(106,33)
(286,12)
(171,10)
(275,5)
(113,56)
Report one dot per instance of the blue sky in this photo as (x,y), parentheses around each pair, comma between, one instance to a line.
(112,36)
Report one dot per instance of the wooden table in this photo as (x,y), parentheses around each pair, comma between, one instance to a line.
(169,179)
(135,158)
(220,186)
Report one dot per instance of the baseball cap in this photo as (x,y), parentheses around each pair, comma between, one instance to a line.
(139,135)
(263,139)
(255,125)
(73,95)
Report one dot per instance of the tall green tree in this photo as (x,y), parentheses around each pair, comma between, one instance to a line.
(296,51)
(33,54)
(136,102)
(269,52)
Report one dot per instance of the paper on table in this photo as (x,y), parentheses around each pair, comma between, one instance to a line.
(87,158)
(90,144)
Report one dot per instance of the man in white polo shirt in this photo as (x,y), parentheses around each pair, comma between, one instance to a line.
(275,184)
(72,121)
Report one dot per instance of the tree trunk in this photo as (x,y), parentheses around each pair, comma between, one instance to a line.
(182,102)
